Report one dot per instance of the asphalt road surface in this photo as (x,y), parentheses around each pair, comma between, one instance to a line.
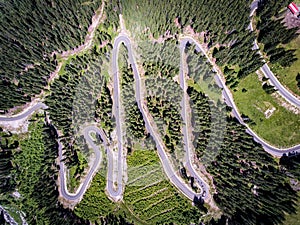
(25,114)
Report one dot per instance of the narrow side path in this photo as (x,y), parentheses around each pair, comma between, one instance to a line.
(96,19)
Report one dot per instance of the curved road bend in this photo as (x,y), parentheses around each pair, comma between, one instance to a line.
(98,159)
(229,101)
(266,69)
(63,188)
(23,114)
(171,174)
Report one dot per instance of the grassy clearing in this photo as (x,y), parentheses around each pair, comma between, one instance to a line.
(287,76)
(203,86)
(282,128)
(151,198)
(293,219)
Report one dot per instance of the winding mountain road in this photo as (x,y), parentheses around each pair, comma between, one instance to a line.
(98,159)
(266,69)
(230,102)
(116,193)
(150,126)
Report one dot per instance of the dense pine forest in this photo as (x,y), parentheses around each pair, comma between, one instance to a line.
(81,95)
(33,33)
(224,31)
(291,165)
(135,125)
(248,181)
(273,33)
(27,60)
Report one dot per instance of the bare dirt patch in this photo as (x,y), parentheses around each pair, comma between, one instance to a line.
(291,20)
